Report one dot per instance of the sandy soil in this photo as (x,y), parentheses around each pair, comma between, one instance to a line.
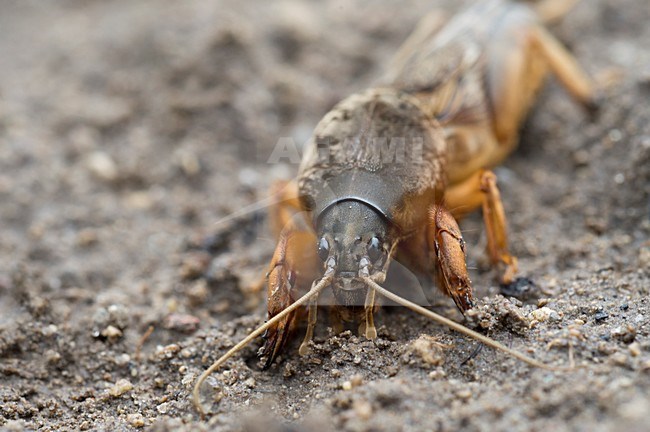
(127,128)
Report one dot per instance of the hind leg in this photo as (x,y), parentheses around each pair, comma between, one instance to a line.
(520,55)
(565,67)
(550,11)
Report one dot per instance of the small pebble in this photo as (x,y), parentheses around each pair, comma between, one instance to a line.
(87,237)
(249,177)
(193,266)
(363,409)
(356,380)
(464,394)
(52,356)
(619,178)
(139,200)
(581,158)
(163,408)
(102,166)
(626,334)
(189,162)
(120,387)
(188,380)
(122,359)
(645,366)
(167,351)
(182,323)
(198,292)
(116,315)
(545,314)
(635,349)
(618,359)
(112,332)
(135,420)
(289,370)
(50,330)
(615,135)
(428,349)
(601,316)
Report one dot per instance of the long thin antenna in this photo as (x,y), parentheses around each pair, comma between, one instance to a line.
(315,290)
(461,328)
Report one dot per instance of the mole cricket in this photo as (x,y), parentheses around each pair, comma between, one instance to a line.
(454,97)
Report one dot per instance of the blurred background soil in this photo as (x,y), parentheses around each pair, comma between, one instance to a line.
(128,128)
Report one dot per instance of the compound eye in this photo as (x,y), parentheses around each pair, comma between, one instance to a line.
(374,249)
(323,248)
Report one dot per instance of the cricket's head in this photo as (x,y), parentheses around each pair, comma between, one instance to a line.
(354,240)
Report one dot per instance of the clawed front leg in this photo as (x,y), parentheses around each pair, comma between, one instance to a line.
(281,283)
(448,249)
(293,268)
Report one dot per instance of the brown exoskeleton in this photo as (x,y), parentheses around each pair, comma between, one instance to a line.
(453,101)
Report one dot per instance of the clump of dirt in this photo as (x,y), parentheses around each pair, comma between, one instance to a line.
(129,128)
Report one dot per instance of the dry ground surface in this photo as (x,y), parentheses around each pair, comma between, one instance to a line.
(128,128)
